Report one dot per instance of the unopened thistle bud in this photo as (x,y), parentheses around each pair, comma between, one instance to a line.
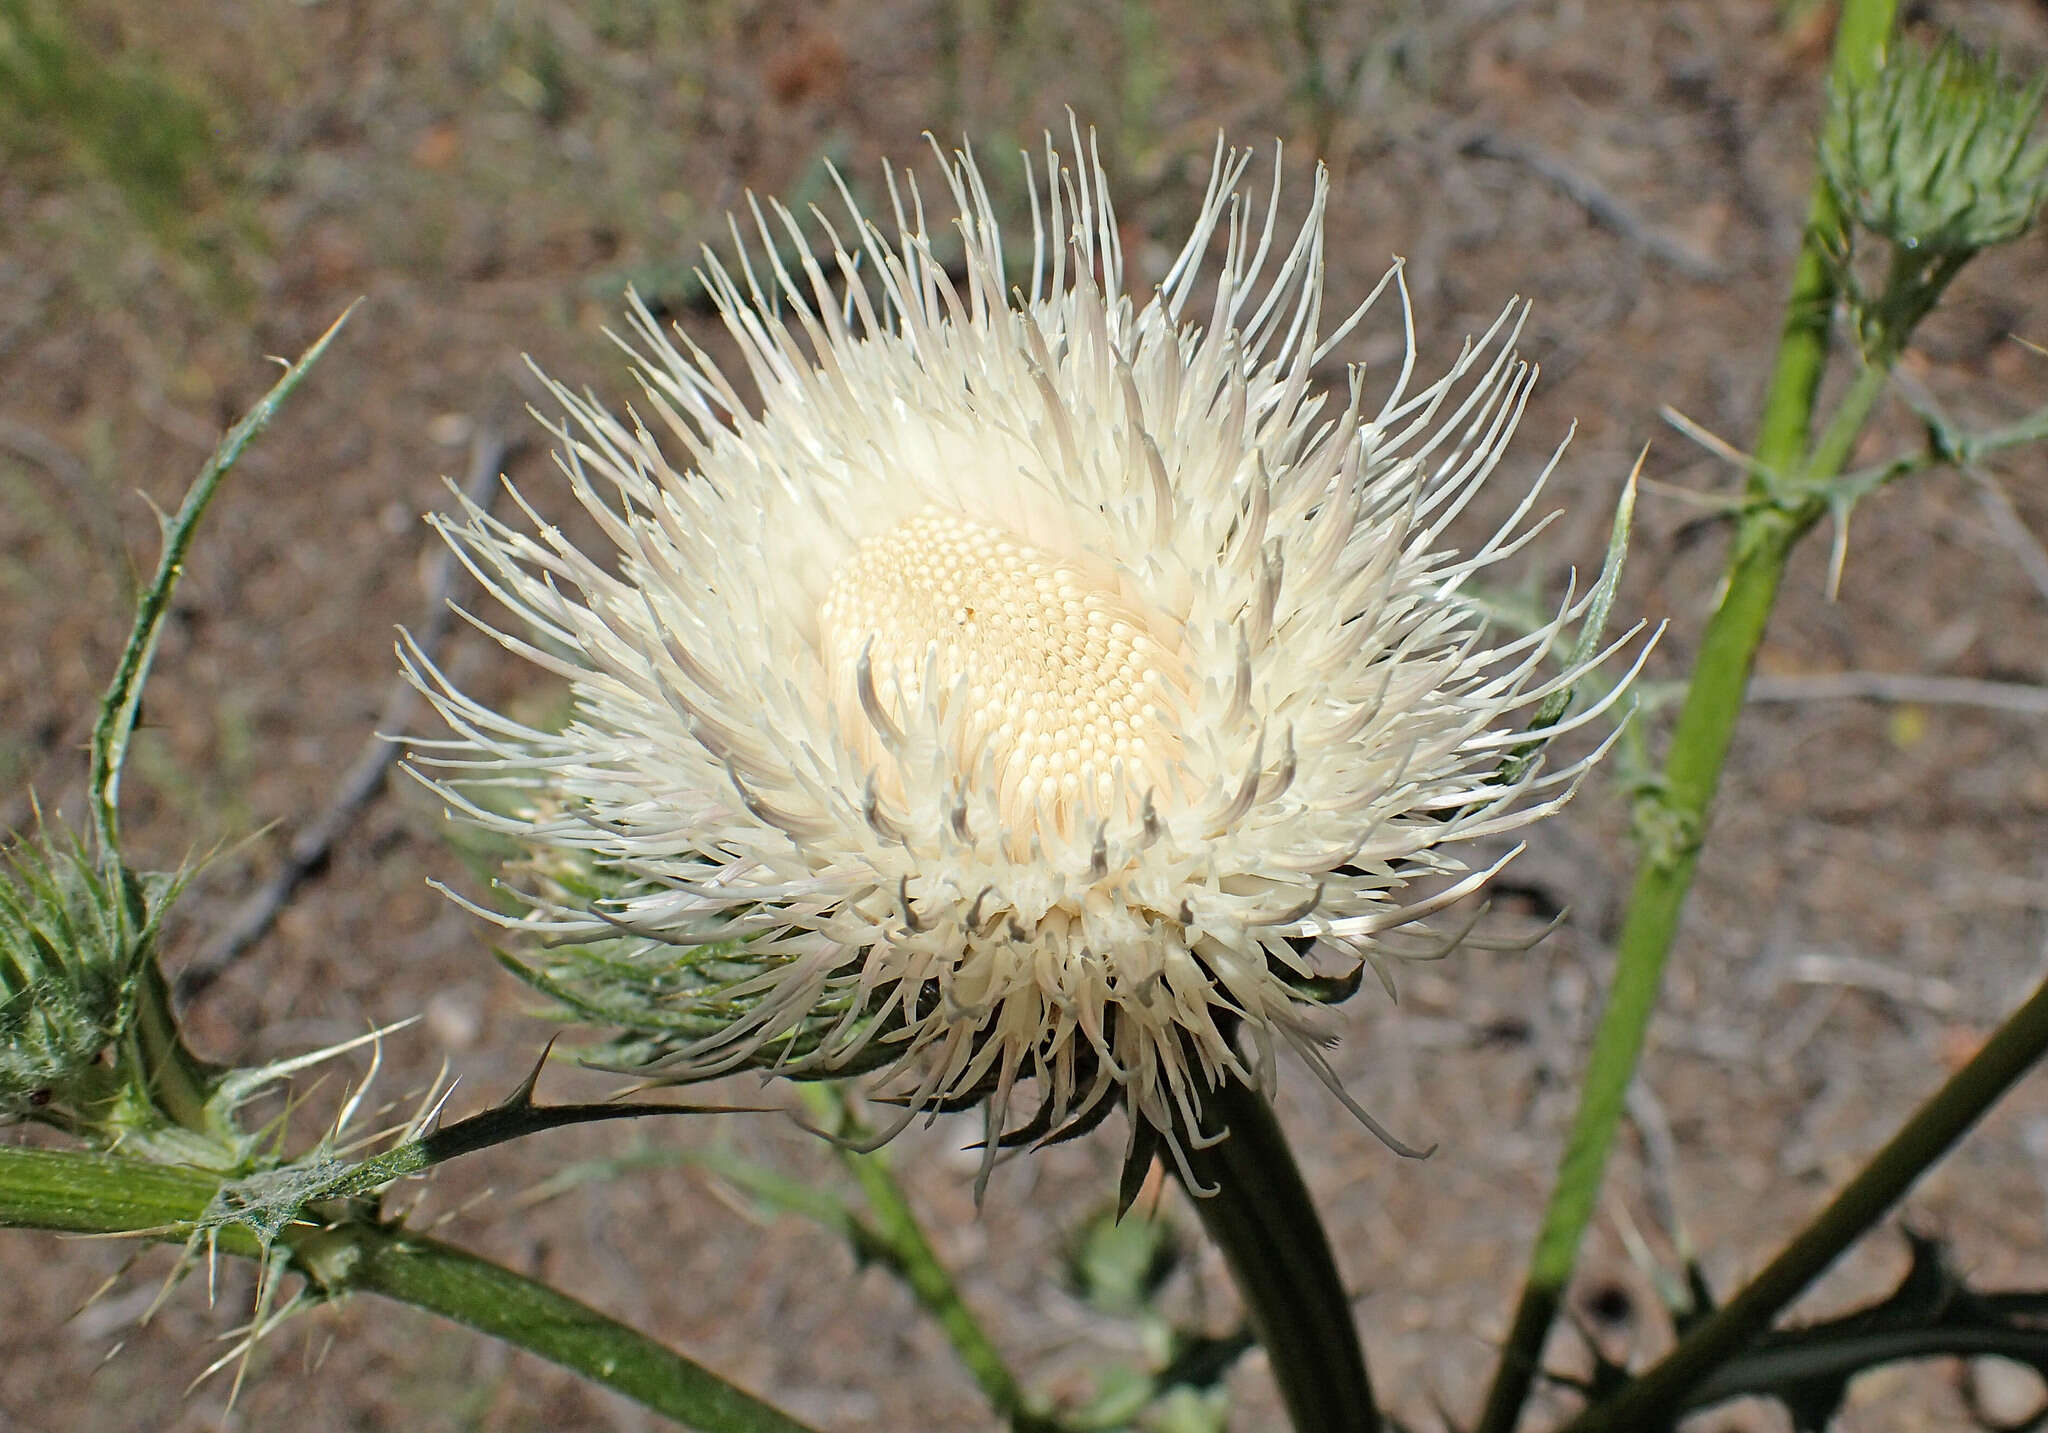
(1934,152)
(72,954)
(1038,686)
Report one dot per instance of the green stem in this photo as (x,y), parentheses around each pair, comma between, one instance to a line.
(894,1233)
(1862,34)
(82,1193)
(1699,747)
(1254,1204)
(1662,1391)
(179,1082)
(1676,819)
(493,1300)
(1948,447)
(1831,451)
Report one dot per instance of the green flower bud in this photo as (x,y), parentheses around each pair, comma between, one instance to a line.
(1932,153)
(72,954)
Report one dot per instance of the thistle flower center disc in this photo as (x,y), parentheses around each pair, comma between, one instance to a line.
(1046,677)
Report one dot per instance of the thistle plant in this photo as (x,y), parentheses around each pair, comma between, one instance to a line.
(1047,700)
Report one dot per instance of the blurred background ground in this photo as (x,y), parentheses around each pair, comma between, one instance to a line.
(191,186)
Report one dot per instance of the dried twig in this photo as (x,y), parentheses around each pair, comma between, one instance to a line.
(366,776)
(1660,1158)
(1861,973)
(45,452)
(1602,207)
(2012,529)
(2017,697)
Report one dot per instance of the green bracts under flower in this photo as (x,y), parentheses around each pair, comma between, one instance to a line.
(1933,152)
(663,1007)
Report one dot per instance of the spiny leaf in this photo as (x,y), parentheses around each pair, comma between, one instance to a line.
(123,698)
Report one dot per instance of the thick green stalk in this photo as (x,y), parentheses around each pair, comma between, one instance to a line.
(527,1314)
(1254,1204)
(902,1244)
(1671,852)
(81,1193)
(1662,1392)
(1675,820)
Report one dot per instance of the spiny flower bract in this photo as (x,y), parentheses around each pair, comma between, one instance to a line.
(1032,685)
(74,941)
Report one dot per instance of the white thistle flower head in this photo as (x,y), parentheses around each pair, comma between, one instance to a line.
(1035,686)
